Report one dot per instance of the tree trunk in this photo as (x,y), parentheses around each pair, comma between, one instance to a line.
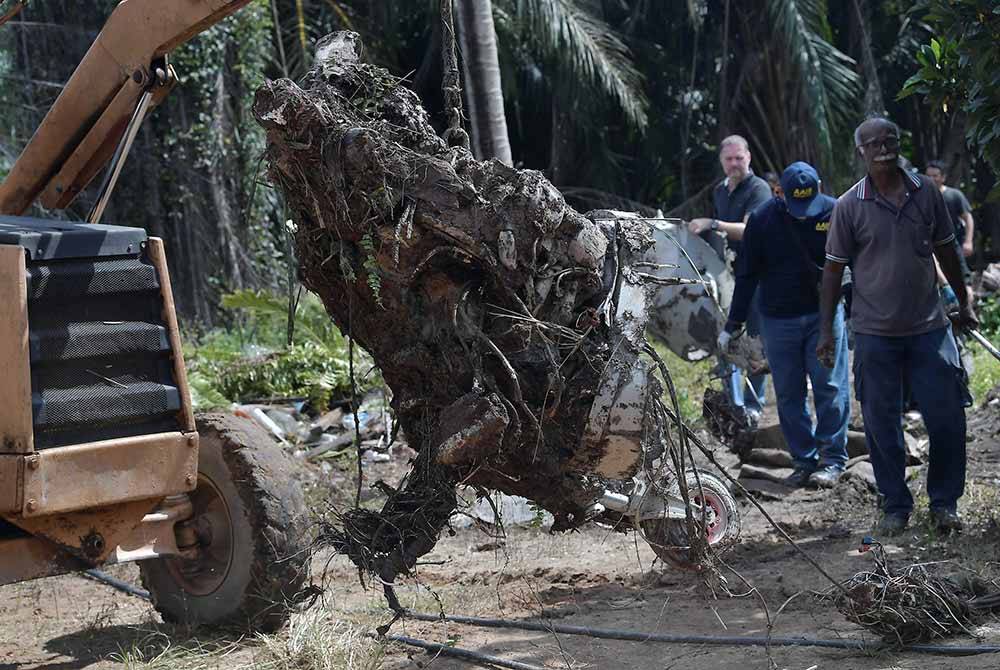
(861,19)
(225,215)
(481,70)
(507,325)
(725,55)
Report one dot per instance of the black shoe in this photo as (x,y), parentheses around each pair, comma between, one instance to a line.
(799,478)
(946,521)
(892,524)
(826,477)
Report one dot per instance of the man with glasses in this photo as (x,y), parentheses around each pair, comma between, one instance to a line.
(890,226)
(782,260)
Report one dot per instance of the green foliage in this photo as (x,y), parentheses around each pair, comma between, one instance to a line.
(253,361)
(572,37)
(985,372)
(301,370)
(690,380)
(826,76)
(220,71)
(267,316)
(960,68)
(985,368)
(989,317)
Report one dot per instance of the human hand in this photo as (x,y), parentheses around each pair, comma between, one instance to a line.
(699,225)
(967,249)
(964,318)
(825,350)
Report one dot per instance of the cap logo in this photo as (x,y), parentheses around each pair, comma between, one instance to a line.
(802,192)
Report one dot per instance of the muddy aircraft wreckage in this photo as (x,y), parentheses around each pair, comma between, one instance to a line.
(510,328)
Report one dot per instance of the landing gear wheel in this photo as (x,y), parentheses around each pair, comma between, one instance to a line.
(669,537)
(252,555)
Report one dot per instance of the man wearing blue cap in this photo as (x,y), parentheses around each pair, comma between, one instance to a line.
(783,250)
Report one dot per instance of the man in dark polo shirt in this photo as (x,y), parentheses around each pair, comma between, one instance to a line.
(734,198)
(957,204)
(782,259)
(890,226)
(961,216)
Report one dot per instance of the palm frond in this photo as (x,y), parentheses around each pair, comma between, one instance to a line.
(826,74)
(567,34)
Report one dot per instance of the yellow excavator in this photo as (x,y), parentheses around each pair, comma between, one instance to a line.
(102,459)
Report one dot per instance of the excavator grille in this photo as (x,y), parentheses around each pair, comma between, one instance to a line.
(100,355)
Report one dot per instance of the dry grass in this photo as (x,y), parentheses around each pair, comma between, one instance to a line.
(160,648)
(318,640)
(977,546)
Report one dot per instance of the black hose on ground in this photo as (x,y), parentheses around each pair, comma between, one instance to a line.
(458,652)
(727,640)
(117,584)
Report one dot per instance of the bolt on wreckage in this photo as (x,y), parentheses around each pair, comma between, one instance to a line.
(510,328)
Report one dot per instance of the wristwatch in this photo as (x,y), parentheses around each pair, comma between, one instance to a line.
(714,225)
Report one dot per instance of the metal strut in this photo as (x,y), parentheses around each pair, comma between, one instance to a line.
(162,76)
(979,337)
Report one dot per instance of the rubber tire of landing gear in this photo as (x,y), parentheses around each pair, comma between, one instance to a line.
(668,538)
(248,572)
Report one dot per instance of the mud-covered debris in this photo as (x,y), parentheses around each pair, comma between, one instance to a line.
(509,327)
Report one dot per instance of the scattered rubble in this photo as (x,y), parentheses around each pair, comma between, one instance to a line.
(331,432)
(766,462)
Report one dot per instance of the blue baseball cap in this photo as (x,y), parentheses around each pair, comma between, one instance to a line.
(800,182)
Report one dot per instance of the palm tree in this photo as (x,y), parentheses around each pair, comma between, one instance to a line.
(481,70)
(568,74)
(797,94)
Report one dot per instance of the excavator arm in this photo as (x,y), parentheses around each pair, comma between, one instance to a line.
(79,134)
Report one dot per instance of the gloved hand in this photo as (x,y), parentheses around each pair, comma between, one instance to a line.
(724,340)
(948,297)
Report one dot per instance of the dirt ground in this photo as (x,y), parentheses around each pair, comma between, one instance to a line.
(591,578)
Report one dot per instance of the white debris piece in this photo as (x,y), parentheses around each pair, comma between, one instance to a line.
(514,511)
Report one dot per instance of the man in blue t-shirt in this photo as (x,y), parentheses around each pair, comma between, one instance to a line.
(782,259)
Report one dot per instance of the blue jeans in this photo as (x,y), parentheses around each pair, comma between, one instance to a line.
(740,393)
(930,363)
(791,352)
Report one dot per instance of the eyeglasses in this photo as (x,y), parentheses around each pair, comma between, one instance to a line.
(890,142)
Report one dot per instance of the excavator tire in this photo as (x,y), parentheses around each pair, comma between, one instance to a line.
(249,517)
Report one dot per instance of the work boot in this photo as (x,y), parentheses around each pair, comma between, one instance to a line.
(799,478)
(892,524)
(946,521)
(826,477)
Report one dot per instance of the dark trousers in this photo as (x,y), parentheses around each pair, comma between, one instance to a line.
(931,365)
